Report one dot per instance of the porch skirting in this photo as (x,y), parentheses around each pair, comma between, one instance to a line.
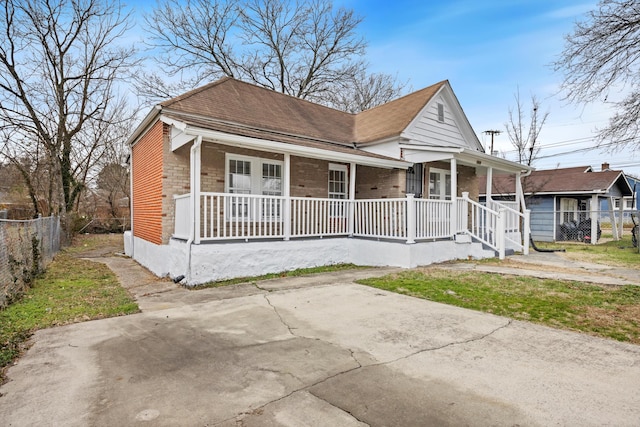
(219,261)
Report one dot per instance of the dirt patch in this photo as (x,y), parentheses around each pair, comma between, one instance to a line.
(97,245)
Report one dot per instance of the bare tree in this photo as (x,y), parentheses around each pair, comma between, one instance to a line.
(523,130)
(307,49)
(602,55)
(59,62)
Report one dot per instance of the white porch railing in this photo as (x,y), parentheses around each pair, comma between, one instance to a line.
(433,219)
(517,224)
(381,218)
(312,217)
(225,216)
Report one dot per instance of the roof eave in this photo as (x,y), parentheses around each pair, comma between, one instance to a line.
(298,150)
(146,122)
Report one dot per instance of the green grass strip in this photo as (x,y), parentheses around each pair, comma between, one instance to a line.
(611,312)
(71,290)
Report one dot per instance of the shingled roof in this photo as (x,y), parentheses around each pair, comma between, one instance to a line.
(233,102)
(577,180)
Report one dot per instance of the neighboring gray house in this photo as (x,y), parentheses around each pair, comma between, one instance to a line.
(563,201)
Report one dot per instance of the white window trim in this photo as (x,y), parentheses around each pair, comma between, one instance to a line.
(254,214)
(256,170)
(443,183)
(337,208)
(342,168)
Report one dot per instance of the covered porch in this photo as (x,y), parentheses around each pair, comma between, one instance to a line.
(238,214)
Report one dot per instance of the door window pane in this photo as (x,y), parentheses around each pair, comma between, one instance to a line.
(239,176)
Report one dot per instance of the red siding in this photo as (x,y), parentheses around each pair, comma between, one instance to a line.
(146,163)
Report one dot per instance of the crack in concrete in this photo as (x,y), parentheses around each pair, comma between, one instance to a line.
(425,350)
(355,368)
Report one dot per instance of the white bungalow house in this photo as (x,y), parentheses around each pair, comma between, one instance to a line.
(233,180)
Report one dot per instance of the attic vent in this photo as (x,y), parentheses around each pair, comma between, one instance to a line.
(440,113)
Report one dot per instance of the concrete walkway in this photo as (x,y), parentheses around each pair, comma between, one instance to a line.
(315,351)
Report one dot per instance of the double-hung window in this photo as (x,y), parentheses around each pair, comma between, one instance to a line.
(253,176)
(338,189)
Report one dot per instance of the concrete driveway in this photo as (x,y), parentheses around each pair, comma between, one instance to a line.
(317,351)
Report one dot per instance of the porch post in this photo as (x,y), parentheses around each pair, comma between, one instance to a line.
(453,219)
(489,184)
(614,225)
(594,219)
(196,167)
(411,219)
(526,231)
(520,192)
(500,232)
(286,192)
(621,223)
(352,198)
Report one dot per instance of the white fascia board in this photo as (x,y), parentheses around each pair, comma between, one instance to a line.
(297,150)
(178,136)
(146,122)
(475,158)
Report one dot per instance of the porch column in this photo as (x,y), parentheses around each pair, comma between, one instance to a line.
(489,184)
(411,219)
(453,219)
(612,216)
(520,192)
(196,168)
(594,219)
(286,192)
(621,223)
(352,198)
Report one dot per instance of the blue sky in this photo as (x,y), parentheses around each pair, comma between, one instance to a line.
(488,50)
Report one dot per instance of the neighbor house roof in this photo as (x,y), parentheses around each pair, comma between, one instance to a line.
(576,180)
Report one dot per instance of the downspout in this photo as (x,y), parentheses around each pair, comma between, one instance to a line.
(192,233)
(133,251)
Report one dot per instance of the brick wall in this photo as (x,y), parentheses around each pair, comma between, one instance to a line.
(146,164)
(309,177)
(376,183)
(175,181)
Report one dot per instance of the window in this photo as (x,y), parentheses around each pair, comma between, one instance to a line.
(568,210)
(629,204)
(337,181)
(337,190)
(253,175)
(439,184)
(239,176)
(440,112)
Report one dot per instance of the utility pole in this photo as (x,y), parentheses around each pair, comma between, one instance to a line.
(492,133)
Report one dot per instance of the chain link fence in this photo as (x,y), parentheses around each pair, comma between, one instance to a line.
(575,225)
(26,247)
